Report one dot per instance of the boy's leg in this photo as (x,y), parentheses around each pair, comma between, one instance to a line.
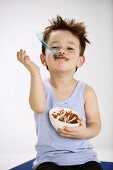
(48,166)
(92,165)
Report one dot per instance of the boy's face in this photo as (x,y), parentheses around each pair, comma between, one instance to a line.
(66,44)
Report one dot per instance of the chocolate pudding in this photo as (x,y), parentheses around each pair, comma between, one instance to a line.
(65,116)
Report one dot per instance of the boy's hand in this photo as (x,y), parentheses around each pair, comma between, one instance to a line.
(25,60)
(74,132)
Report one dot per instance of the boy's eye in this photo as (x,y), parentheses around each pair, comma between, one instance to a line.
(55,47)
(70,48)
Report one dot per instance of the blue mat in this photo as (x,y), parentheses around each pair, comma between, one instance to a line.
(28,166)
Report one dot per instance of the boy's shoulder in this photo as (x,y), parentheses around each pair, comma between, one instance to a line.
(89,92)
(89,88)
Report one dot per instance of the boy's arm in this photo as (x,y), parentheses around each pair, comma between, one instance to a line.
(92,126)
(93,123)
(37,97)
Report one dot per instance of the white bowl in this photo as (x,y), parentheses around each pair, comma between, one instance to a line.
(59,124)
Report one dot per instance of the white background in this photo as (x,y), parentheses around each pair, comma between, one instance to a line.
(19,21)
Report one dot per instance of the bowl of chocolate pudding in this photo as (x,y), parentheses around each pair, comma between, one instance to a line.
(60,117)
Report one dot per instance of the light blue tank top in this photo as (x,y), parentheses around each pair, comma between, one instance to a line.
(50,146)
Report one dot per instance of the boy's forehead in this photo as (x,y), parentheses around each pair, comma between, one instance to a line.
(58,35)
(61,33)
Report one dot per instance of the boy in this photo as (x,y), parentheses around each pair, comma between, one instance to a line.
(66,148)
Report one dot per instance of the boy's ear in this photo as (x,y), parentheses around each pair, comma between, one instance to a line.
(43,59)
(81,61)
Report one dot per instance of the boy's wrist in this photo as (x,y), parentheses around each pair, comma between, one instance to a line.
(35,73)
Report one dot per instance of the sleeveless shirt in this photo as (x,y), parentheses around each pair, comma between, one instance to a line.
(51,147)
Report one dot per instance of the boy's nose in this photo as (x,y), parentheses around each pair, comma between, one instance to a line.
(61,51)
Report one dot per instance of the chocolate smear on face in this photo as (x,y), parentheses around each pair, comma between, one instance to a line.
(59,57)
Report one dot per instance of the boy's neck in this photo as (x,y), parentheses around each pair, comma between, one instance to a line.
(62,82)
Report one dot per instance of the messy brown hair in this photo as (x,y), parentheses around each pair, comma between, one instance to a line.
(76,28)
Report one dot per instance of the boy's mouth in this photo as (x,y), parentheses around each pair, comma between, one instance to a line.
(61,56)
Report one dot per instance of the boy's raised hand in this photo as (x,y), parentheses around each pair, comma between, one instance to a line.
(25,60)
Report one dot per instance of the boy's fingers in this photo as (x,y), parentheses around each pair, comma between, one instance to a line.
(24,52)
(26,60)
(68,129)
(19,56)
(22,56)
(21,51)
